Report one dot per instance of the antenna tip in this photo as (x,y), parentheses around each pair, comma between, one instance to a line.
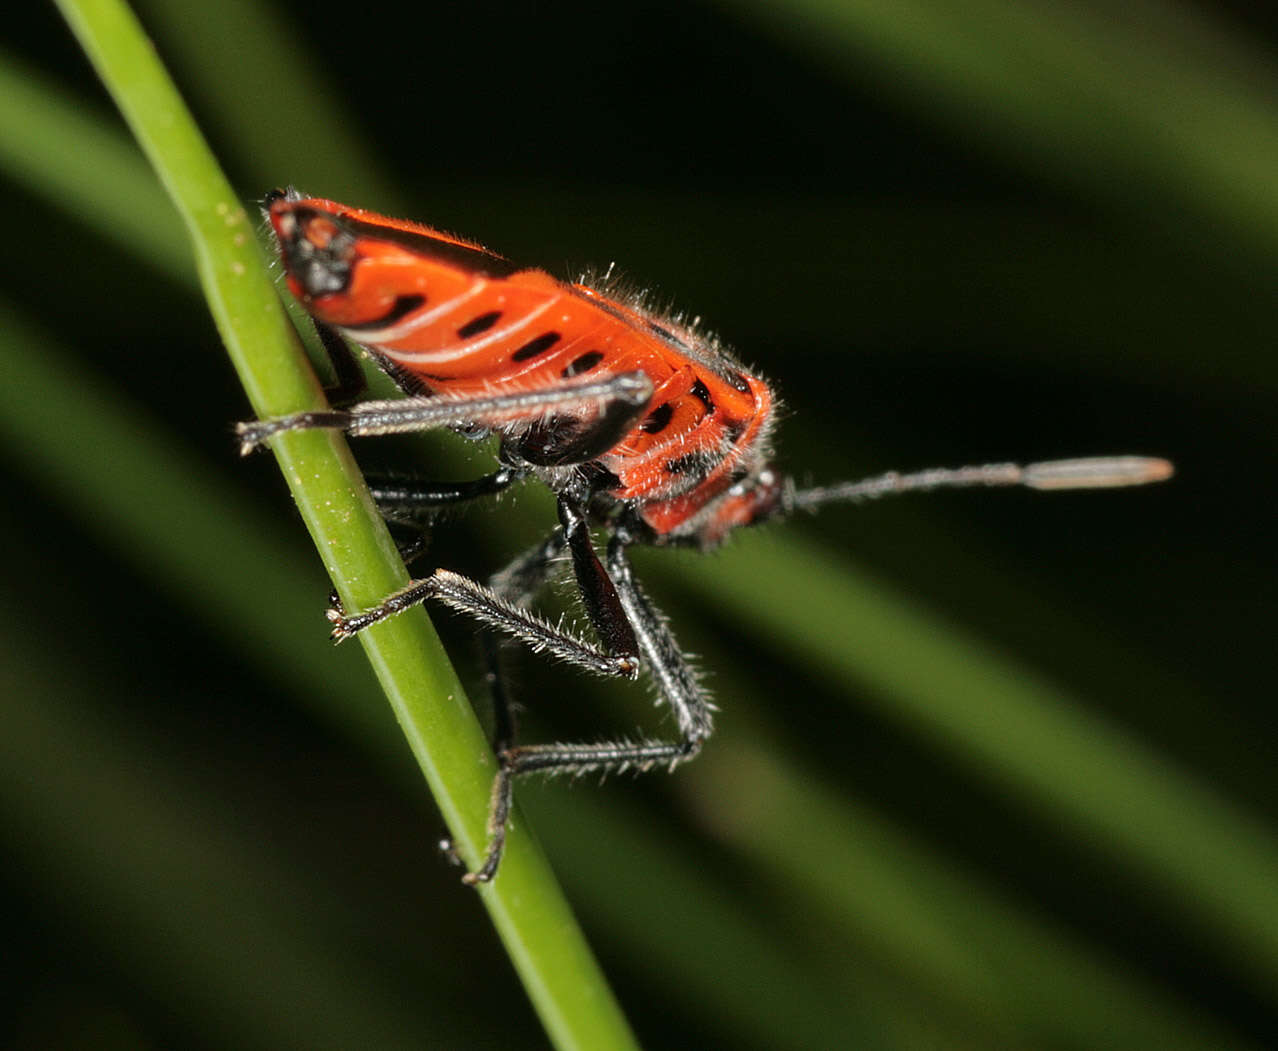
(1098,472)
(1157,469)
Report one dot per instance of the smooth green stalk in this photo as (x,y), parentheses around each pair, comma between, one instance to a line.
(526,904)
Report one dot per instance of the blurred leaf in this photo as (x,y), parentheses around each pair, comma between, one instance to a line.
(1147,105)
(136,852)
(1041,744)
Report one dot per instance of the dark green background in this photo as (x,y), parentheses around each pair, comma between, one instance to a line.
(928,282)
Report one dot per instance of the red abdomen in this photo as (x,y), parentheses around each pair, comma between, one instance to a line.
(464,321)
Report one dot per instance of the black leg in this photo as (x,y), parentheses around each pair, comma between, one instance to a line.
(410,542)
(675,679)
(558,759)
(490,609)
(349,377)
(621,612)
(405,502)
(598,593)
(410,498)
(518,583)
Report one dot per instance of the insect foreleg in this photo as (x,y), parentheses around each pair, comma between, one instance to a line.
(350,381)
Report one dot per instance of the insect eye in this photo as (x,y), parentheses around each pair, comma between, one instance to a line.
(321,231)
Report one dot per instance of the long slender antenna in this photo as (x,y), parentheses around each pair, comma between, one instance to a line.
(1093,472)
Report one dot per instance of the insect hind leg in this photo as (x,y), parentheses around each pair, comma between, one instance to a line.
(676,683)
(623,617)
(496,608)
(517,584)
(604,757)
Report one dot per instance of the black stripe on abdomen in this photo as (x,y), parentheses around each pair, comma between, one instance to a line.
(537,346)
(472,260)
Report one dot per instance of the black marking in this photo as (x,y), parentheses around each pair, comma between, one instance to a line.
(536,346)
(400,309)
(472,260)
(737,381)
(701,391)
(667,335)
(658,419)
(475,326)
(683,464)
(581,364)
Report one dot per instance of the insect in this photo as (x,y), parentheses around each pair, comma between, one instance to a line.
(641,425)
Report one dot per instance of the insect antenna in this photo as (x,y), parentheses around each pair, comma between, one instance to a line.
(1093,472)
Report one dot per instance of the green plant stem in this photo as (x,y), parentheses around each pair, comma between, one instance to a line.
(526,904)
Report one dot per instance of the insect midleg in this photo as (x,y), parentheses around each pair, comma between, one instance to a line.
(405,499)
(404,503)
(473,598)
(407,415)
